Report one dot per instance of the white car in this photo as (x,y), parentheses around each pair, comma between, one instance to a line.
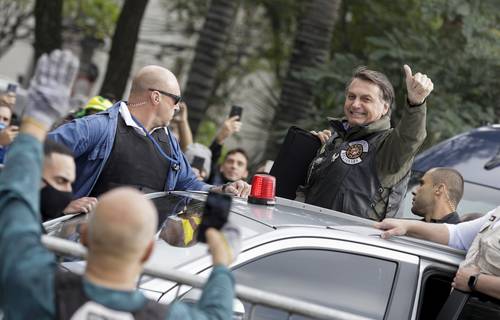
(311,254)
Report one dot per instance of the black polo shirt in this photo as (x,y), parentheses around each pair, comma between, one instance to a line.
(452,218)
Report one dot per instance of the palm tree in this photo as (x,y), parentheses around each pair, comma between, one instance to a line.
(123,46)
(48,26)
(208,51)
(311,48)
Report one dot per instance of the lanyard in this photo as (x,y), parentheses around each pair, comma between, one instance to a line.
(175,162)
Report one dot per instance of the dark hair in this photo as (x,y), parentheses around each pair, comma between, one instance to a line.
(377,78)
(452,179)
(237,150)
(50,147)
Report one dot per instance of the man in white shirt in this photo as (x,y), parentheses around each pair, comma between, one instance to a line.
(480,271)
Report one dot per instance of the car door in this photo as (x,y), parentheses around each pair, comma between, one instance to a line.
(348,276)
(465,306)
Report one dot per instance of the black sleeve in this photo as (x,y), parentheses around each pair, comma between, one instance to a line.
(216,149)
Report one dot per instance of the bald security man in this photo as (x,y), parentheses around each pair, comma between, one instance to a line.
(437,196)
(130,144)
(119,236)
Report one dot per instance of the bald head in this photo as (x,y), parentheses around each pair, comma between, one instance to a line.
(453,181)
(122,226)
(154,77)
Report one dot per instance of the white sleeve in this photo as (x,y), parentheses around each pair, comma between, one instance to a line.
(462,234)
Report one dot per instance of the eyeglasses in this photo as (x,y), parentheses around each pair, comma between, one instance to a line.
(176,98)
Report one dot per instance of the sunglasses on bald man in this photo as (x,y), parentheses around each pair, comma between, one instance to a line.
(176,98)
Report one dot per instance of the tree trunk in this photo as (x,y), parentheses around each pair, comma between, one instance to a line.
(121,55)
(48,26)
(208,51)
(311,48)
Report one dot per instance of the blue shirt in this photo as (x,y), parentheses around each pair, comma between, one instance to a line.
(91,140)
(27,267)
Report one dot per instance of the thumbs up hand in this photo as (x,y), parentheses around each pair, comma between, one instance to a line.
(418,86)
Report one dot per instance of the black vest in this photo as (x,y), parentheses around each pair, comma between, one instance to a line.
(70,296)
(135,161)
(343,178)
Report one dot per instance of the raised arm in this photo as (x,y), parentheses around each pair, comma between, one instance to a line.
(216,301)
(410,132)
(26,267)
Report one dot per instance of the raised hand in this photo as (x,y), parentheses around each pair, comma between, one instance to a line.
(50,87)
(8,135)
(418,86)
(229,127)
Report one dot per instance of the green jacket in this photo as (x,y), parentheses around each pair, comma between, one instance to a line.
(363,170)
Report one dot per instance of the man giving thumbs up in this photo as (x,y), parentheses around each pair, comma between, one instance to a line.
(364,165)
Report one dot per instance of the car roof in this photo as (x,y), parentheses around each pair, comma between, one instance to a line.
(475,154)
(261,224)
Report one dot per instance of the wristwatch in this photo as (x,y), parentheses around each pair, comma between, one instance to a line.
(473,281)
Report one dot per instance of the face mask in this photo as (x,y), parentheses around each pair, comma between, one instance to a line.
(53,201)
(2,126)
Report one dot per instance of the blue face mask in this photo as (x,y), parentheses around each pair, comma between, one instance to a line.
(2,126)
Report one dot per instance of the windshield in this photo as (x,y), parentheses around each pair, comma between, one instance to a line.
(178,219)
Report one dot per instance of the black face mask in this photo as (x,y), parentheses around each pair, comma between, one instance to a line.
(53,201)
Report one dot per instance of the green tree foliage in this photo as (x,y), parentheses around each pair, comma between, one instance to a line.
(311,48)
(455,42)
(95,18)
(121,54)
(209,51)
(256,56)
(48,26)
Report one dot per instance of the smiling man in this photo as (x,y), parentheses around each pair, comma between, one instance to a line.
(363,166)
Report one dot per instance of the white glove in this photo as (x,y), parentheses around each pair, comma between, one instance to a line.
(50,87)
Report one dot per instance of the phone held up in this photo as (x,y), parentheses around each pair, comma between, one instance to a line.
(215,214)
(198,163)
(236,111)
(12,87)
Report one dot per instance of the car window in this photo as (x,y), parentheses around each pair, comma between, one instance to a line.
(330,278)
(480,308)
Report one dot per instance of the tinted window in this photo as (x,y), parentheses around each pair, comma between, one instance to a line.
(474,154)
(349,282)
(480,309)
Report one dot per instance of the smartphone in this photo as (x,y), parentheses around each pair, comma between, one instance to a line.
(198,163)
(215,214)
(236,111)
(12,87)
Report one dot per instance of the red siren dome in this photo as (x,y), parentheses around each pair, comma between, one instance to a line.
(263,189)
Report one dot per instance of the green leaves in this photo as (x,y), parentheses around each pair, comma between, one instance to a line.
(455,42)
(96,18)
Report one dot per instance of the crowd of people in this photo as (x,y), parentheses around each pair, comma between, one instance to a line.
(101,159)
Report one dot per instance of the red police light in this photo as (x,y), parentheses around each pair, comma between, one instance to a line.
(263,189)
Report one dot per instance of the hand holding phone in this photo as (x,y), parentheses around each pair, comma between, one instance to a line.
(215,214)
(198,163)
(236,111)
(12,87)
